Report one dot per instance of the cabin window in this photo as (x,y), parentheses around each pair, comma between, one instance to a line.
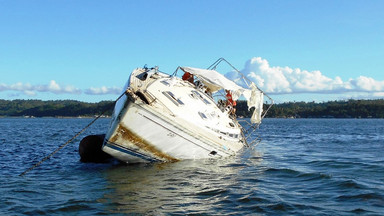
(234,136)
(192,96)
(173,98)
(224,133)
(142,76)
(201,97)
(165,82)
(202,115)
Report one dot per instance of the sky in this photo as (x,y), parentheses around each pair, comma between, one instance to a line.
(293,50)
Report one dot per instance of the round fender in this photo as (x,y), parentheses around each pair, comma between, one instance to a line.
(90,149)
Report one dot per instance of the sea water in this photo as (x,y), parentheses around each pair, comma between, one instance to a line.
(300,167)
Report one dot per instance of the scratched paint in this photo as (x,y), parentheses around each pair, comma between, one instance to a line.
(144,146)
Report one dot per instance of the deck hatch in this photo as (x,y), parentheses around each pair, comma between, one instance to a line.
(173,98)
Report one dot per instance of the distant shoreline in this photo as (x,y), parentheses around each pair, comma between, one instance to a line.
(365,109)
(54,117)
(108,117)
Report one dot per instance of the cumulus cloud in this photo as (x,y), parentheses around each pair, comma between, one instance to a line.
(56,88)
(103,90)
(286,80)
(31,90)
(271,79)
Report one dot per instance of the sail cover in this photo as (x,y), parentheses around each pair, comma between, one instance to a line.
(216,81)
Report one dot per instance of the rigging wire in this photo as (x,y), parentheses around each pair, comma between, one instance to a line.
(70,140)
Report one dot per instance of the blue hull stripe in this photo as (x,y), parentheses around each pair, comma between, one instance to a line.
(130,152)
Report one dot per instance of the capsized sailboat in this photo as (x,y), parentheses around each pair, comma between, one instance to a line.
(166,118)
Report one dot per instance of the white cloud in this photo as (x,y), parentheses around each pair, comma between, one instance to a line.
(54,87)
(31,90)
(103,90)
(29,93)
(368,84)
(271,79)
(284,80)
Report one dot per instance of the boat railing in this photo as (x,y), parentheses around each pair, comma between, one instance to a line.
(247,81)
(249,128)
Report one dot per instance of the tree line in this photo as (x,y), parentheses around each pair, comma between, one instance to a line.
(331,109)
(54,108)
(72,108)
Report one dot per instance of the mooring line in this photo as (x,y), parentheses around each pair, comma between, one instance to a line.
(70,140)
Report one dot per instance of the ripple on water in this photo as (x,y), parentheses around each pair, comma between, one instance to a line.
(302,167)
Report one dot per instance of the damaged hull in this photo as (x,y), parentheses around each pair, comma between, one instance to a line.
(157,138)
(166,118)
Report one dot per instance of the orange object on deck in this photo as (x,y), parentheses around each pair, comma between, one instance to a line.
(187,76)
(229,99)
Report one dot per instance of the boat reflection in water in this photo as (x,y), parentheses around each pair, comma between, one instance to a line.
(185,187)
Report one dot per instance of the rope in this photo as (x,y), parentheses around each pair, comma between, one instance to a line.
(70,140)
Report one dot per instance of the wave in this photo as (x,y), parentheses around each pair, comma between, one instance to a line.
(298,175)
(372,196)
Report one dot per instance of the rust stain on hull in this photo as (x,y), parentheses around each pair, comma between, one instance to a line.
(126,134)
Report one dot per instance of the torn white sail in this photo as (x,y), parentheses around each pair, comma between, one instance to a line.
(255,98)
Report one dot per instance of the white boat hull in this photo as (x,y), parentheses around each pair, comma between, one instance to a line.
(142,135)
(167,118)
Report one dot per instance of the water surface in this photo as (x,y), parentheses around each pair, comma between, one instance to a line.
(301,167)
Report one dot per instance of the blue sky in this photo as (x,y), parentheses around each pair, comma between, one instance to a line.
(295,50)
